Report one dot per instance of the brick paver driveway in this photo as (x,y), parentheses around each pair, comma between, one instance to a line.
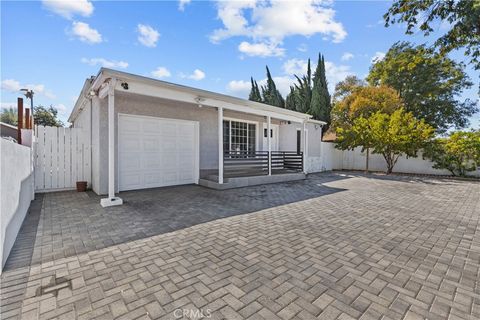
(336,246)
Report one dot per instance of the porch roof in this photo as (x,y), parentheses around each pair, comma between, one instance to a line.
(163,89)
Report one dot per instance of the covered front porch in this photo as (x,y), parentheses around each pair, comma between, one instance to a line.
(256,149)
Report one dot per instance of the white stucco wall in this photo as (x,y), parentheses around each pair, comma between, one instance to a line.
(288,142)
(16,190)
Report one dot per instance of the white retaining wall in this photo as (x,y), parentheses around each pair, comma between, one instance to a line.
(16,192)
(334,159)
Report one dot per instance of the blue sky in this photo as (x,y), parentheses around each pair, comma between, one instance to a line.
(53,46)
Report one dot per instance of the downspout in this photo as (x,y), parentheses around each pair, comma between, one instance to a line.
(91,142)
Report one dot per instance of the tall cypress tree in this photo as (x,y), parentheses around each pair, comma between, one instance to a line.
(270,93)
(290,100)
(303,91)
(254,92)
(321,105)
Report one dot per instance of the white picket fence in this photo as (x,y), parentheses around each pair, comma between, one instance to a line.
(62,156)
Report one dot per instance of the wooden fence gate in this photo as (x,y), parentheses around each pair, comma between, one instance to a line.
(62,156)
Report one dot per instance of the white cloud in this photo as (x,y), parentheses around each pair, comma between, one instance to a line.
(240,88)
(261,49)
(11,85)
(182,4)
(295,66)
(336,74)
(105,63)
(147,35)
(347,56)
(69,8)
(86,34)
(62,109)
(8,105)
(14,86)
(197,75)
(161,72)
(273,21)
(378,56)
(302,48)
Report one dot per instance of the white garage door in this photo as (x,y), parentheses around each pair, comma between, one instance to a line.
(156,152)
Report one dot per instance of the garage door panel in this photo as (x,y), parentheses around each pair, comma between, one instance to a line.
(185,130)
(169,145)
(152,160)
(168,129)
(156,152)
(151,143)
(130,124)
(185,160)
(170,178)
(187,175)
(169,161)
(129,162)
(130,180)
(153,179)
(151,126)
(130,143)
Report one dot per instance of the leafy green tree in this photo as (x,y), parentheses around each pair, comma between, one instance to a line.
(389,135)
(346,87)
(458,153)
(321,105)
(254,92)
(461,16)
(9,116)
(270,93)
(44,116)
(362,101)
(428,83)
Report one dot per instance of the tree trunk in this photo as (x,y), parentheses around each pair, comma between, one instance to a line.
(390,162)
(366,160)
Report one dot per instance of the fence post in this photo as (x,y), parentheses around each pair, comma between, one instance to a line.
(27,118)
(19,120)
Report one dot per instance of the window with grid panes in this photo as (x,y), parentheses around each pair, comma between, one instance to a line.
(238,136)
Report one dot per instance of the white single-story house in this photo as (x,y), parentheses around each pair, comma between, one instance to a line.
(148,133)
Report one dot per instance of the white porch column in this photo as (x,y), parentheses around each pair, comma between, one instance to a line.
(305,146)
(111,200)
(220,145)
(269,139)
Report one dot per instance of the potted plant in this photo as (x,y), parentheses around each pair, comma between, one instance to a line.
(81,186)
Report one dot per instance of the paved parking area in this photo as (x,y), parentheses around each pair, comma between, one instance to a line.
(336,246)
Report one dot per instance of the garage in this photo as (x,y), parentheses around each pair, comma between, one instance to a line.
(156,152)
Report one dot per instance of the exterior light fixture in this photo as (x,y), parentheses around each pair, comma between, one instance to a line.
(124,85)
(29,94)
(199,100)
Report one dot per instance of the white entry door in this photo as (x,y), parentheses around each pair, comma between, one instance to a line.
(156,152)
(274,136)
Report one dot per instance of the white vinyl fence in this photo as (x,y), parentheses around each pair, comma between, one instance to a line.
(334,159)
(61,158)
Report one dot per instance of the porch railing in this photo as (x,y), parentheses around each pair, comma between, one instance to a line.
(287,161)
(249,163)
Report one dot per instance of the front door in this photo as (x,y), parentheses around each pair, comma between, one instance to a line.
(273,134)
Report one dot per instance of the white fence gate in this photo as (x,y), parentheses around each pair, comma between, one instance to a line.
(62,156)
